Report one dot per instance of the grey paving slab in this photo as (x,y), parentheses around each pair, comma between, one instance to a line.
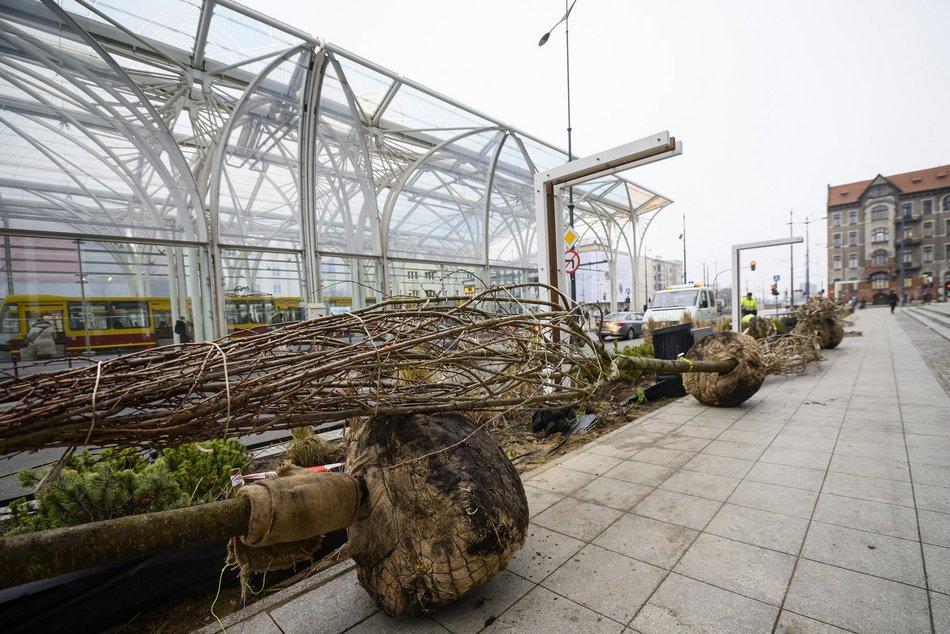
(760,528)
(871,467)
(932,498)
(472,613)
(807,459)
(871,450)
(682,604)
(784,475)
(932,474)
(857,601)
(730,449)
(560,479)
(640,472)
(699,431)
(704,485)
(678,508)
(683,443)
(863,551)
(940,604)
(719,465)
(616,494)
(929,455)
(330,608)
(591,463)
(664,457)
(774,498)
(934,527)
(865,488)
(655,542)
(544,551)
(751,571)
(791,623)
(789,439)
(577,518)
(606,582)
(748,437)
(544,612)
(938,567)
(540,499)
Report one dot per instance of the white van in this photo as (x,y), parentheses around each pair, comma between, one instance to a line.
(669,304)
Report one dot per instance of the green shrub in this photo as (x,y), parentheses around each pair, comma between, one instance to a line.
(119,482)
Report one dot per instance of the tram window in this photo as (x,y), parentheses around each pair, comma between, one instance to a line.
(10,318)
(235,311)
(258,316)
(130,315)
(98,313)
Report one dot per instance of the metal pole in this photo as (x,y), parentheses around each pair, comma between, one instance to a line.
(570,148)
(791,255)
(684,248)
(807,262)
(82,295)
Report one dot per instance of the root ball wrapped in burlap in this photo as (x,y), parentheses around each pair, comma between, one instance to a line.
(445,510)
(733,388)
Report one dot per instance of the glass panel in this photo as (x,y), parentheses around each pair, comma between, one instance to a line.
(90,156)
(261,288)
(259,193)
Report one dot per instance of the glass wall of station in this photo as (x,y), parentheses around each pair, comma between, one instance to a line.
(181,171)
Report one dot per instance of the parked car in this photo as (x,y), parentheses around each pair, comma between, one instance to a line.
(622,325)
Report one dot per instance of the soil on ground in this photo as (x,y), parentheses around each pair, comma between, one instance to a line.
(526,449)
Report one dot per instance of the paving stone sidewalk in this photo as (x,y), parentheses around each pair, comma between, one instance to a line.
(821,505)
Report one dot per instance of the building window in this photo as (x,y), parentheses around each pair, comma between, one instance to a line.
(879,235)
(852,238)
(835,220)
(908,282)
(837,263)
(879,258)
(928,254)
(879,213)
(852,217)
(947,256)
(946,203)
(853,261)
(928,206)
(907,257)
(928,229)
(906,210)
(879,280)
(908,233)
(836,240)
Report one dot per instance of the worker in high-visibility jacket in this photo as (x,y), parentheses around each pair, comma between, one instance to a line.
(748,305)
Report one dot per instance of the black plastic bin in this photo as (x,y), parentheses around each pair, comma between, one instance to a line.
(670,342)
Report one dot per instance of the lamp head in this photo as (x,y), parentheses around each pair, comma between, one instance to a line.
(544,39)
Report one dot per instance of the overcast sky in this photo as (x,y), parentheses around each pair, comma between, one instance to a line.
(773,101)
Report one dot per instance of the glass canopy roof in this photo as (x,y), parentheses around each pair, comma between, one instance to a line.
(206,123)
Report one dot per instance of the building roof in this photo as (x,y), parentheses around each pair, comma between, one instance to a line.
(908,183)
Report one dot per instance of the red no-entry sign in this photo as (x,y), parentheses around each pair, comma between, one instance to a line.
(572,260)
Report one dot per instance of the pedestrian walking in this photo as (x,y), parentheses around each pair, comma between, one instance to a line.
(892,300)
(40,342)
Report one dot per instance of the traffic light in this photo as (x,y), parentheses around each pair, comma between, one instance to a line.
(775,289)
(753,265)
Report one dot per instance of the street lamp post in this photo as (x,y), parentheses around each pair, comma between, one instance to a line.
(570,149)
(683,238)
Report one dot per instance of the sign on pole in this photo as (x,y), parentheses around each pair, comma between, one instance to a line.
(570,237)
(572,260)
(776,278)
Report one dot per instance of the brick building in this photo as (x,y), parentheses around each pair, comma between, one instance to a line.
(891,233)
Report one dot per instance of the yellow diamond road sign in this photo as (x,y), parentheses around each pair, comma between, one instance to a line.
(570,237)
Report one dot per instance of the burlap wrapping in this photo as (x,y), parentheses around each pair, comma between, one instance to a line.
(299,505)
(726,390)
(446,510)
